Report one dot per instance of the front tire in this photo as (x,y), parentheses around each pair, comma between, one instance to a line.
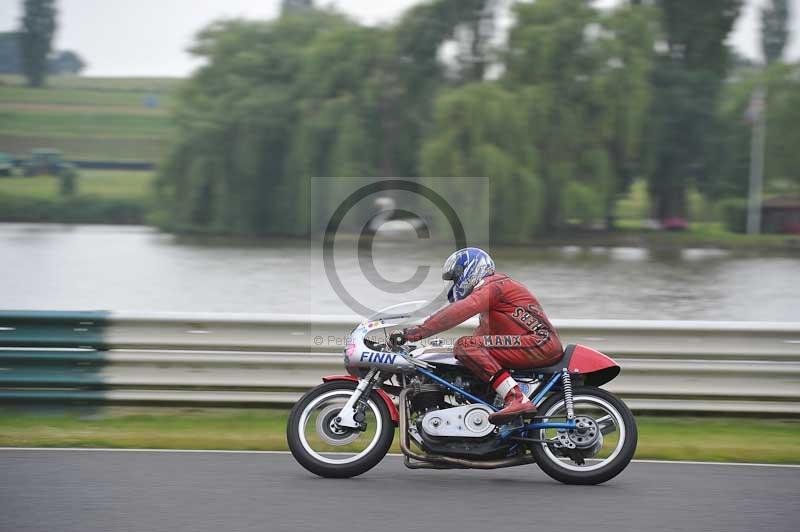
(321,458)
(589,398)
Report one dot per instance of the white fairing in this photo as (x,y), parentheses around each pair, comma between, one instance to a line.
(436,355)
(361,353)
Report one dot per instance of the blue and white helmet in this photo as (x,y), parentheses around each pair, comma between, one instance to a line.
(465,268)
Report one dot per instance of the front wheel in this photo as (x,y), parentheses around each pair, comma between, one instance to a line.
(600,450)
(328,450)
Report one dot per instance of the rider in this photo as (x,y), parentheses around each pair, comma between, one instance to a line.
(513,331)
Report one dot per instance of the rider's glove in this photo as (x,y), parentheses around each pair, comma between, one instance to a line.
(412,334)
(397,338)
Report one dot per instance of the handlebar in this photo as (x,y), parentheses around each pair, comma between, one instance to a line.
(397,339)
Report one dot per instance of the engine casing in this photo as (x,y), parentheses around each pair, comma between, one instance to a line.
(466,421)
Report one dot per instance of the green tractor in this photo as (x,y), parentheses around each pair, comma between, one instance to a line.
(6,165)
(45,161)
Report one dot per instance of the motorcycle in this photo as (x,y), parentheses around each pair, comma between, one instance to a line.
(582,434)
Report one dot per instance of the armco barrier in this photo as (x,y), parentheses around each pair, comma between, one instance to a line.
(238,359)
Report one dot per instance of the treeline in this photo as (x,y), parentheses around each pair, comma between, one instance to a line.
(58,62)
(29,50)
(562,114)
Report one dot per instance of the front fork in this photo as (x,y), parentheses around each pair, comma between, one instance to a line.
(351,416)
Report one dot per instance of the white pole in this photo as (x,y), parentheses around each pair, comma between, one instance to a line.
(757,142)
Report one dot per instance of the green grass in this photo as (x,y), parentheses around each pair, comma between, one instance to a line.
(102,196)
(154,84)
(117,148)
(706,234)
(87,118)
(87,97)
(80,124)
(118,184)
(667,438)
(705,229)
(719,439)
(636,205)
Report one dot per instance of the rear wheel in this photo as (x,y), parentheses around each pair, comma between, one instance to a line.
(599,450)
(326,449)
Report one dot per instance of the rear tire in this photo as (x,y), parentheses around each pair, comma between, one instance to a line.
(361,465)
(605,473)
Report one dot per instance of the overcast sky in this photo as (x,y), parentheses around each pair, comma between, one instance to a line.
(150,37)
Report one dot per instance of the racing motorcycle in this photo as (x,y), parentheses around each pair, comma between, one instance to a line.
(581,434)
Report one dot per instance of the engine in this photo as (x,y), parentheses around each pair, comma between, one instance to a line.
(465,421)
(443,426)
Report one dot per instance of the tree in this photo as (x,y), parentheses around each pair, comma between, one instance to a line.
(479,132)
(686,82)
(308,94)
(782,158)
(473,34)
(36,36)
(227,172)
(774,29)
(65,62)
(295,6)
(583,79)
(414,73)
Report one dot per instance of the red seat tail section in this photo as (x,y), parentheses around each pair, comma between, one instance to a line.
(596,367)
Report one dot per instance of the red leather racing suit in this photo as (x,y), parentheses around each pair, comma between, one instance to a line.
(513,332)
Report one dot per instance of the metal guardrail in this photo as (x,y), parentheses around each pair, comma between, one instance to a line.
(238,359)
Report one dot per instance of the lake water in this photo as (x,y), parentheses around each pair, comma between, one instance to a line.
(139,269)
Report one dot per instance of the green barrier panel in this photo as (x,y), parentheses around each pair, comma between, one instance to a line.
(50,358)
(52,354)
(61,329)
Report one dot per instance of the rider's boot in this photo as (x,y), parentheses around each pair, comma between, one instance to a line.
(516,403)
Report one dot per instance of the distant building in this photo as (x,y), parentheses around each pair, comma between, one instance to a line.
(781,215)
(10,62)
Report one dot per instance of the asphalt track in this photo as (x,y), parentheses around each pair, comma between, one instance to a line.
(53,490)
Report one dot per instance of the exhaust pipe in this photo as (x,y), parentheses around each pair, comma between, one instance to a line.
(414,460)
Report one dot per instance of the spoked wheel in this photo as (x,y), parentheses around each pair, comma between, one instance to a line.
(326,449)
(599,449)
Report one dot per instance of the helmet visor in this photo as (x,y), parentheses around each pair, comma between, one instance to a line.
(450,287)
(453,274)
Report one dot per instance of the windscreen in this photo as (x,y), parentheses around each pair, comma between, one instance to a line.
(408,309)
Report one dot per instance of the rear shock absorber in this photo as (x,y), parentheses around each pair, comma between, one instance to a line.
(566,384)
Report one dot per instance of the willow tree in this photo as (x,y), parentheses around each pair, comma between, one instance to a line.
(479,132)
(309,94)
(227,170)
(583,78)
(774,29)
(687,82)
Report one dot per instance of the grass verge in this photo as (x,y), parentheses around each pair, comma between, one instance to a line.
(119,184)
(667,438)
(88,118)
(107,197)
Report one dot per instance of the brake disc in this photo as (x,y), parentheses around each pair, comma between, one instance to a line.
(329,431)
